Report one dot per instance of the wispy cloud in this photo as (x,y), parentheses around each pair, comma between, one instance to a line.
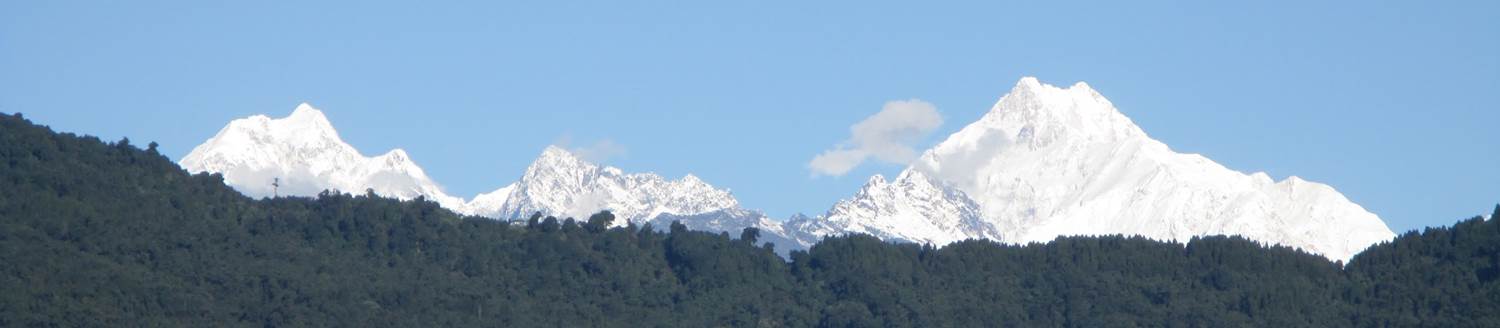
(598,152)
(886,136)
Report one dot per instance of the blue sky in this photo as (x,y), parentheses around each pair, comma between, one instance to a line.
(1394,104)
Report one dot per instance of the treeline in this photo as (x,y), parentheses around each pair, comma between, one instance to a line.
(107,234)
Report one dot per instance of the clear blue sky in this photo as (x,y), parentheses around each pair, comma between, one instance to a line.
(1394,104)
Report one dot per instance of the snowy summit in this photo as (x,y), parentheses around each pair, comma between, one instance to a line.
(304,155)
(560,183)
(1048,161)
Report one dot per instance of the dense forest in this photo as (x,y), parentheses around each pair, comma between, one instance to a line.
(97,233)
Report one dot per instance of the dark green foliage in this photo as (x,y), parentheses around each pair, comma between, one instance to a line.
(1444,277)
(105,234)
(600,221)
(749,235)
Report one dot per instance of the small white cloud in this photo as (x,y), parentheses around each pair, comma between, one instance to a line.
(598,152)
(837,161)
(887,136)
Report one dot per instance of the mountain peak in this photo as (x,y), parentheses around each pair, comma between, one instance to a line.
(396,156)
(1037,114)
(692,180)
(1048,161)
(306,107)
(306,125)
(799,216)
(1032,85)
(872,185)
(554,150)
(252,138)
(1026,84)
(560,182)
(305,112)
(1081,85)
(305,154)
(554,157)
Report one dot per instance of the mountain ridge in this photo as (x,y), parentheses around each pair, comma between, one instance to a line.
(303,155)
(1043,162)
(1046,162)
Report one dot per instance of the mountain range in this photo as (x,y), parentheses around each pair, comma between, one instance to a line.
(303,155)
(1043,162)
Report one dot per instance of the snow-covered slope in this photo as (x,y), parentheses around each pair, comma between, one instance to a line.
(912,208)
(489,204)
(733,221)
(1044,162)
(559,183)
(1048,161)
(306,154)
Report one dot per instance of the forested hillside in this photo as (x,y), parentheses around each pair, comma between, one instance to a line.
(107,234)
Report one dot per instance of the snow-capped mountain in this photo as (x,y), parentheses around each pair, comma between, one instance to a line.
(912,208)
(559,183)
(1047,161)
(306,154)
(1044,162)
